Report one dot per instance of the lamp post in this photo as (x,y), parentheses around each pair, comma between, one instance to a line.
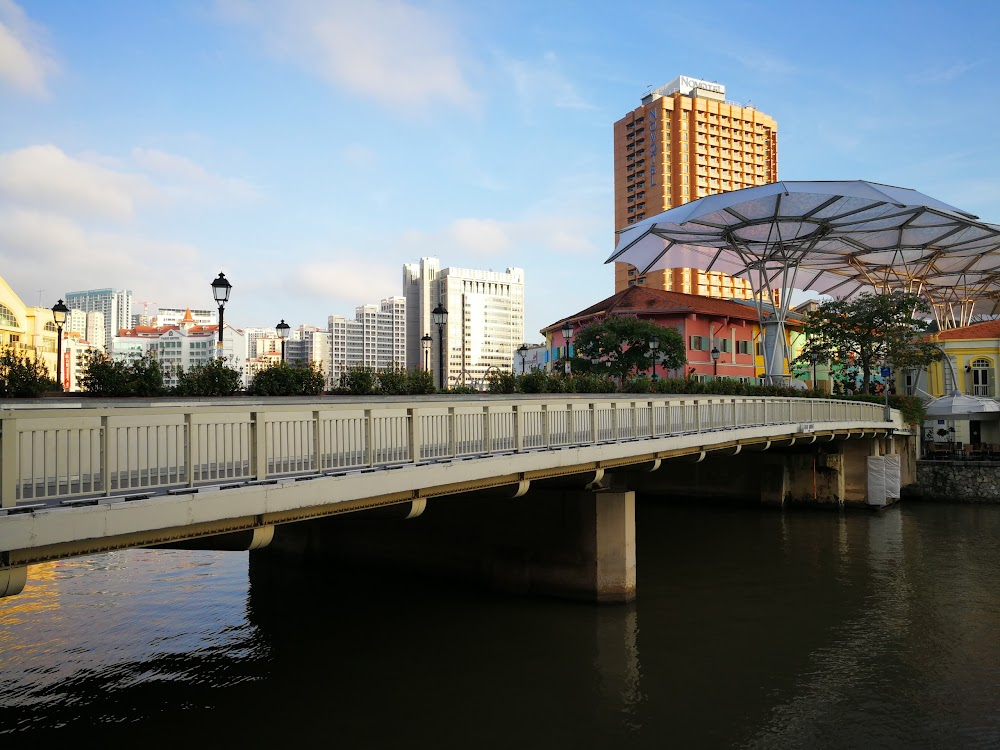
(814,358)
(439,316)
(283,330)
(220,290)
(567,334)
(522,351)
(715,361)
(425,342)
(654,345)
(59,313)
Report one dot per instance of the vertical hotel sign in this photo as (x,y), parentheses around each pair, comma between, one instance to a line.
(66,375)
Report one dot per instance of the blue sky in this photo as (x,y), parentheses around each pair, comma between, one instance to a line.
(310,148)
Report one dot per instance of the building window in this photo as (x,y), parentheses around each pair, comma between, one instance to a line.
(7,317)
(981,377)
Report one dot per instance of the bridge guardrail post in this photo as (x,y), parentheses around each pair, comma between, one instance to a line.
(106,455)
(317,448)
(545,425)
(487,432)
(9,470)
(413,434)
(452,433)
(697,415)
(518,429)
(369,438)
(570,432)
(594,433)
(652,419)
(188,447)
(614,422)
(259,442)
(635,418)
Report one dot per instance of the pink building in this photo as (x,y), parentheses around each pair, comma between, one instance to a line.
(703,322)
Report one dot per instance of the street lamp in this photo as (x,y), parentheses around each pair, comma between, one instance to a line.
(220,290)
(439,316)
(283,330)
(425,342)
(59,312)
(715,360)
(522,350)
(654,344)
(567,334)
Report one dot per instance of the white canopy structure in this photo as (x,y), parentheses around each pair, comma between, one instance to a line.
(835,238)
(957,405)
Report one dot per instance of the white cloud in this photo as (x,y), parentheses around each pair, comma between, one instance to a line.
(519,240)
(188,178)
(25,64)
(542,83)
(46,178)
(479,236)
(944,73)
(348,281)
(359,157)
(97,186)
(386,50)
(45,249)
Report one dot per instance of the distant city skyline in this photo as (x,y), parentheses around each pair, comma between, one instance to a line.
(309,149)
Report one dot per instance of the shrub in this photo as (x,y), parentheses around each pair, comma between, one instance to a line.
(105,377)
(359,381)
(533,382)
(283,379)
(214,378)
(501,382)
(394,381)
(21,377)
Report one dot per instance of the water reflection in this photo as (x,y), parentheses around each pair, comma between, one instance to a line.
(758,630)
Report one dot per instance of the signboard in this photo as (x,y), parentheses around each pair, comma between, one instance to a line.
(886,372)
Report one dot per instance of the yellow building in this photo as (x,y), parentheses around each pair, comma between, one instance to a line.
(971,366)
(974,353)
(684,142)
(27,330)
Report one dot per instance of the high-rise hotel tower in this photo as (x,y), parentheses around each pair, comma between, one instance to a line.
(684,142)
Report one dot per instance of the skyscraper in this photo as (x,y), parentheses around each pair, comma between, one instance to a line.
(485,323)
(116,304)
(686,141)
(376,338)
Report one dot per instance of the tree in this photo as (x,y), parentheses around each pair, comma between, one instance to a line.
(21,377)
(624,341)
(861,333)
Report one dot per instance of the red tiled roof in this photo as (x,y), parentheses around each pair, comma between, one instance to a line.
(642,301)
(989,329)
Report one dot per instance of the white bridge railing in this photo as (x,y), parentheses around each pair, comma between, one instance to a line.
(60,454)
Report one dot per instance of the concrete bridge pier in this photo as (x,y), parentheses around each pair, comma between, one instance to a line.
(572,541)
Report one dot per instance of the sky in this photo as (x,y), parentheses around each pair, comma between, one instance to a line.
(309,148)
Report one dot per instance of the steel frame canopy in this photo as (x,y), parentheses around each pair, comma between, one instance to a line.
(837,238)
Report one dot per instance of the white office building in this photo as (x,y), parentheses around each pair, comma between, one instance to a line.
(115,304)
(485,323)
(88,326)
(376,338)
(172,316)
(185,346)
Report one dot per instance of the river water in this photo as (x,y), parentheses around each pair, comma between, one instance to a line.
(752,629)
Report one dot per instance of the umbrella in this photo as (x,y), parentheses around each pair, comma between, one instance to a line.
(957,405)
(828,237)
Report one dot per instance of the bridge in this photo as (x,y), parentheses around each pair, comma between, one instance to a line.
(81,476)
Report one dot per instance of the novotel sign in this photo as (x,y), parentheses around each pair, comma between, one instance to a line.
(686,84)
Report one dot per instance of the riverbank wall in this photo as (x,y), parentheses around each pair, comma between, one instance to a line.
(955,482)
